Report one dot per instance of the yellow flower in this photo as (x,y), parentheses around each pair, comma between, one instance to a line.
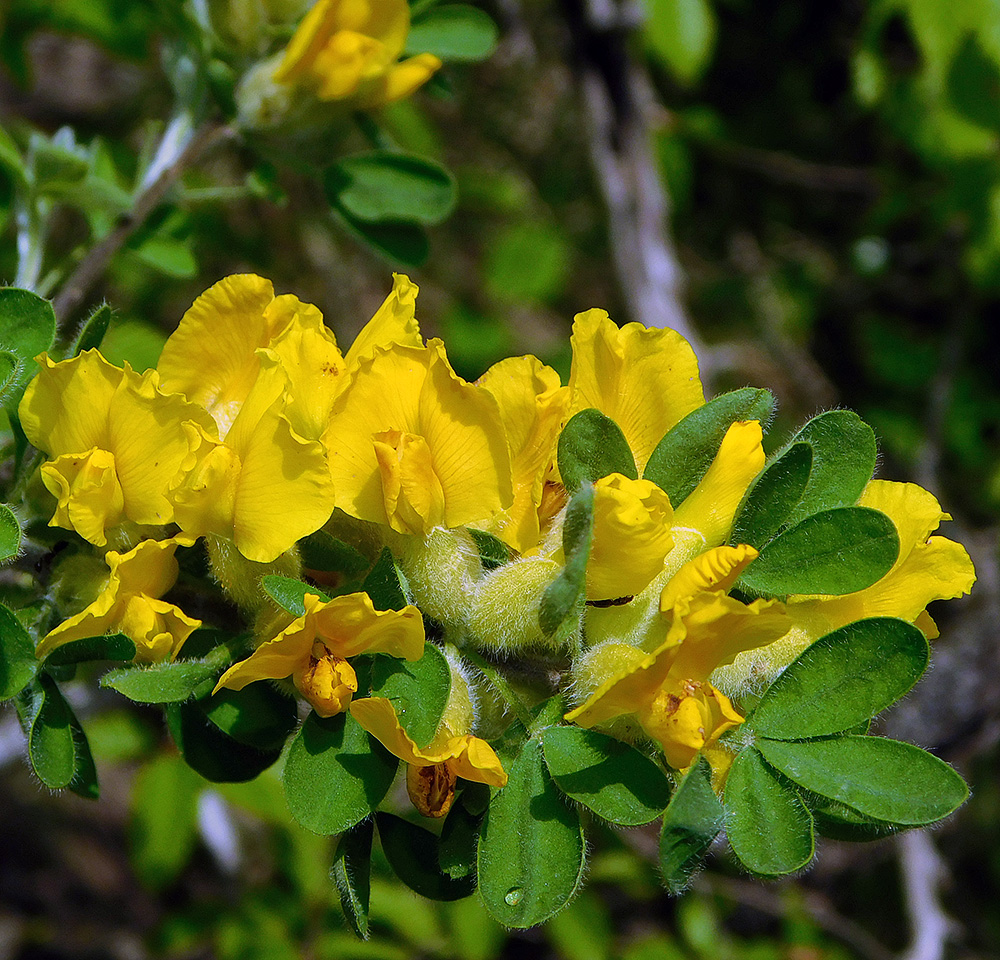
(928,568)
(350,48)
(130,603)
(433,769)
(313,650)
(265,487)
(117,439)
(212,357)
(645,379)
(532,406)
(632,535)
(668,691)
(414,446)
(394,322)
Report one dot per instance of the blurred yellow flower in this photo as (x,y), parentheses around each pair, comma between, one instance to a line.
(117,438)
(350,49)
(433,769)
(313,650)
(130,603)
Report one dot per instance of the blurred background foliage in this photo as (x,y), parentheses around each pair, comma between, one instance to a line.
(832,180)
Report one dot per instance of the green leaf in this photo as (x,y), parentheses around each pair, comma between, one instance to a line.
(687,450)
(614,780)
(10,157)
(383,187)
(884,779)
(400,243)
(690,824)
(769,827)
(838,822)
(833,552)
(27,327)
(257,716)
(386,585)
(974,85)
(18,664)
(48,723)
(205,748)
(412,853)
(453,32)
(163,827)
(335,774)
(592,446)
(351,872)
(772,496)
(843,461)
(160,682)
(562,603)
(92,332)
(418,690)
(321,551)
(681,34)
(84,783)
(493,552)
(290,594)
(531,849)
(460,831)
(842,680)
(114,646)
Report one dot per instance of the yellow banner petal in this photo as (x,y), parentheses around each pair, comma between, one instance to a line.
(715,569)
(89,498)
(394,322)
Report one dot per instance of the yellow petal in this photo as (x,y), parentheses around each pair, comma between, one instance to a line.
(399,81)
(89,498)
(327,682)
(715,569)
(311,36)
(711,507)
(414,391)
(414,499)
(914,510)
(211,357)
(394,322)
(65,407)
(631,537)
(685,717)
(350,625)
(645,379)
(204,493)
(347,59)
(532,406)
(474,759)
(157,628)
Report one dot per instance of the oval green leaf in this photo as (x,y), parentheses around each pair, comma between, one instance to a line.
(453,32)
(770,829)
(27,327)
(531,849)
(351,872)
(160,682)
(400,243)
(842,680)
(113,646)
(460,831)
(335,774)
(92,332)
(386,585)
(772,496)
(321,551)
(18,664)
(611,778)
(386,187)
(592,446)
(880,778)
(690,823)
(412,853)
(687,450)
(418,690)
(844,453)
(833,552)
(257,716)
(290,594)
(49,724)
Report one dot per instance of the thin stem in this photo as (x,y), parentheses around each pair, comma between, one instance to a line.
(501,685)
(92,266)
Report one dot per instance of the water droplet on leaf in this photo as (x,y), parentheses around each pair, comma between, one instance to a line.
(513,896)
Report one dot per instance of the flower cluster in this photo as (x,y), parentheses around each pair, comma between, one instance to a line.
(255,431)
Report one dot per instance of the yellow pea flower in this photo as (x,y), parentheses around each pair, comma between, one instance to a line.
(413,446)
(668,691)
(212,357)
(117,439)
(130,603)
(313,650)
(264,487)
(632,536)
(643,378)
(349,49)
(928,568)
(532,405)
(432,770)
